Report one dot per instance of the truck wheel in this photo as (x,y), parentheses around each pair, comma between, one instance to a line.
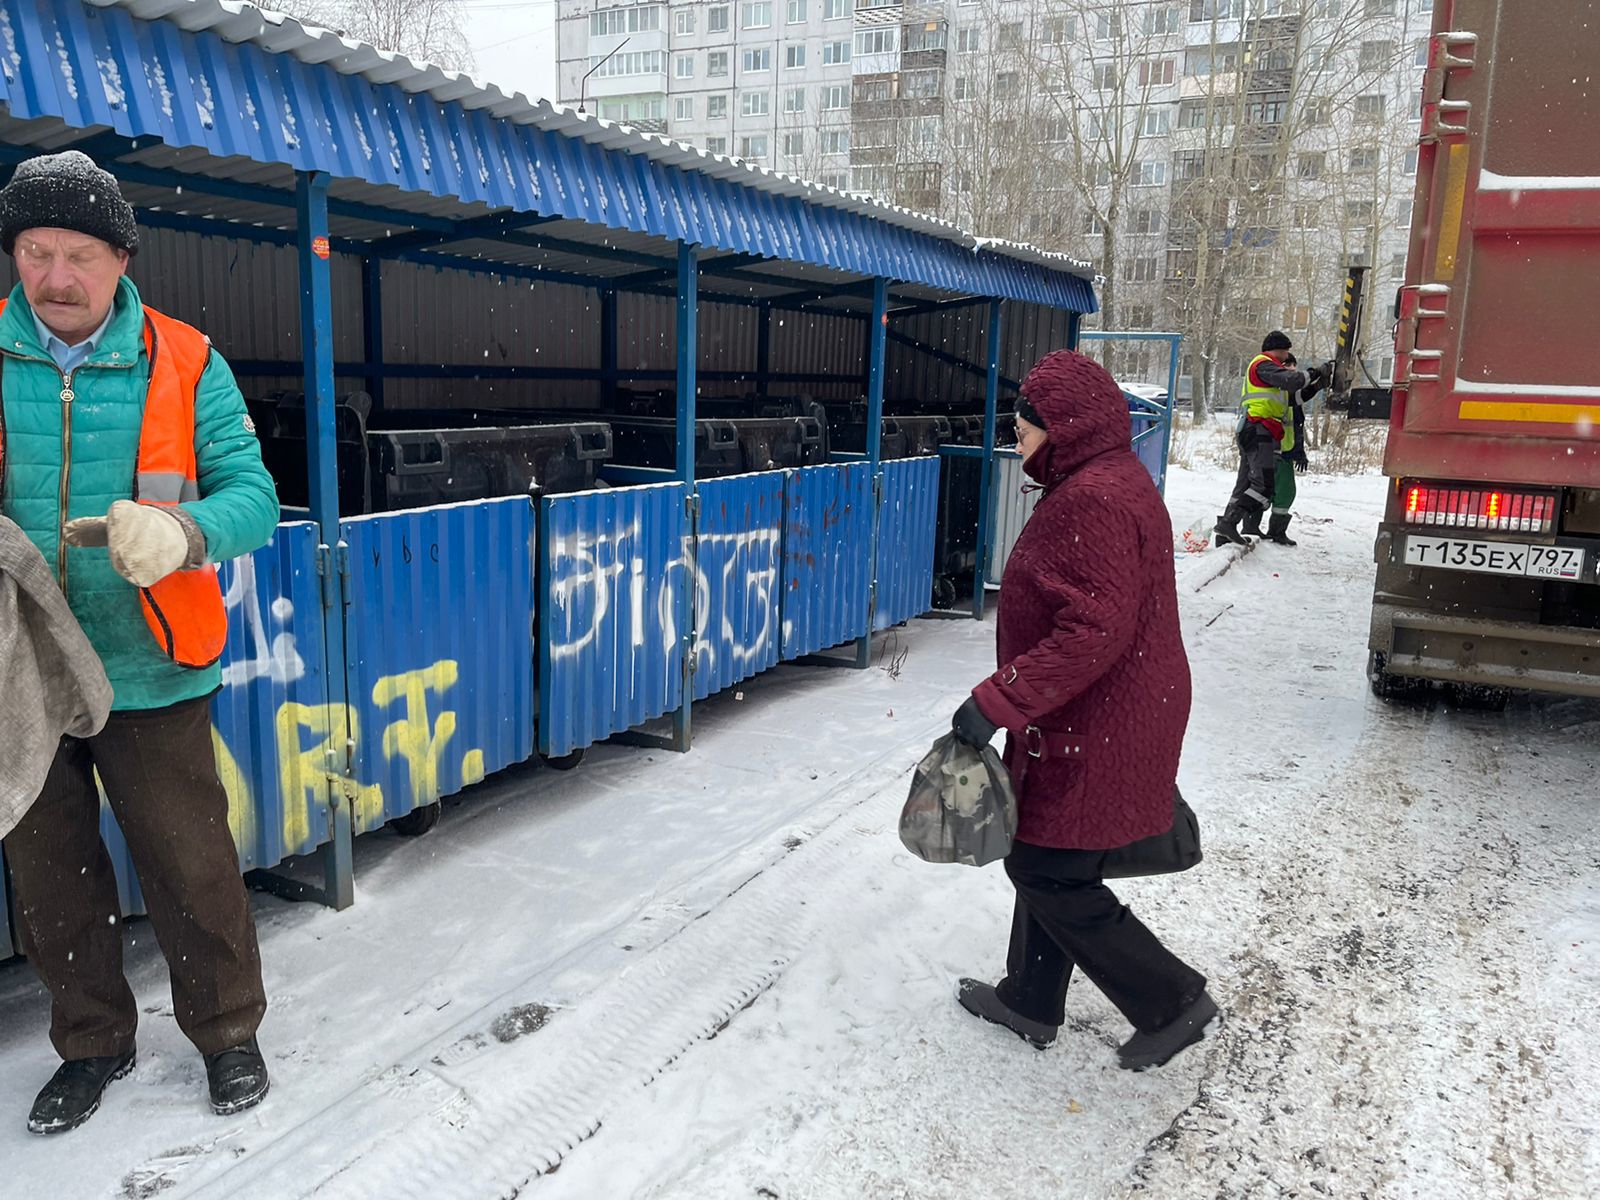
(418,821)
(1385,686)
(563,762)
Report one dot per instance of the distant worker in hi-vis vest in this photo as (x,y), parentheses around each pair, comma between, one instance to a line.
(127,458)
(1266,429)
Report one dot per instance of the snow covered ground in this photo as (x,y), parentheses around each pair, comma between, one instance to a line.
(720,975)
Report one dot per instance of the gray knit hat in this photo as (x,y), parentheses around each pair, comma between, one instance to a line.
(66,191)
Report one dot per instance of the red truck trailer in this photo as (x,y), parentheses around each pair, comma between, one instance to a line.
(1489,552)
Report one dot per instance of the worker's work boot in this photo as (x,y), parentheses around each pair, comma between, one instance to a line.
(1227,532)
(1278,529)
(73,1094)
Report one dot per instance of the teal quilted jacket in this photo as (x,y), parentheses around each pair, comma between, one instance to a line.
(64,461)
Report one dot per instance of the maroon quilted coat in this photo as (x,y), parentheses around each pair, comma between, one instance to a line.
(1092,667)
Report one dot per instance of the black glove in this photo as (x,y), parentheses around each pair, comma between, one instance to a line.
(1298,458)
(1327,371)
(971,726)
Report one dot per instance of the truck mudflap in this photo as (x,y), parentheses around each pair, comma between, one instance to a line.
(1520,655)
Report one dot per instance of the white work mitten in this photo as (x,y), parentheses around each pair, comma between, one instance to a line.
(146,543)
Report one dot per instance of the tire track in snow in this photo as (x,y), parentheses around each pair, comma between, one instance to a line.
(486,1124)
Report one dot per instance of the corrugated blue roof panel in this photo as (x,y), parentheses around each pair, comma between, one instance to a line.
(93,66)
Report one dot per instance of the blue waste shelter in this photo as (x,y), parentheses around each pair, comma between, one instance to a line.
(340,219)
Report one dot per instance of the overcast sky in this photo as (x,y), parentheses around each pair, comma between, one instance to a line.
(514,42)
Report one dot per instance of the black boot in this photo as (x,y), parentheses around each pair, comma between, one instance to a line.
(1252,525)
(981,1000)
(238,1078)
(1228,531)
(73,1094)
(1278,529)
(1145,1050)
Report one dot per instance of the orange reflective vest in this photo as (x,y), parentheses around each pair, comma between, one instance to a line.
(184,611)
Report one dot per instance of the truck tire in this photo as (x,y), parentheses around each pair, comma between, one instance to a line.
(418,821)
(1389,688)
(1479,697)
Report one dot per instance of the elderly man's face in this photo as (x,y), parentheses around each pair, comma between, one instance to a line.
(70,279)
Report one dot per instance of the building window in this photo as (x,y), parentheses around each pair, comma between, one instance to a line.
(1194,114)
(1189,164)
(794,100)
(1375,56)
(1180,264)
(1159,21)
(684,21)
(1148,220)
(1411,161)
(928,36)
(683,108)
(716,63)
(835,52)
(1358,212)
(1148,174)
(1157,123)
(1105,77)
(797,11)
(1211,60)
(1005,84)
(717,19)
(1419,53)
(834,9)
(1108,25)
(836,141)
(755,61)
(962,90)
(754,146)
(835,96)
(1058,129)
(641,62)
(1214,10)
(1402,212)
(1158,73)
(1139,316)
(1380,8)
(1279,58)
(837,180)
(1268,109)
(757,16)
(716,145)
(1397,265)
(878,41)
(922,85)
(1297,317)
(609,22)
(873,91)
(1144,269)
(716,107)
(1310,164)
(794,144)
(683,66)
(1011,35)
(1058,31)
(1319,113)
(968,41)
(755,104)
(1305,216)
(794,57)
(1369,108)
(1363,158)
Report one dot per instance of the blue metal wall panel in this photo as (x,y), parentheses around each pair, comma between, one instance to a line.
(96,67)
(440,636)
(272,724)
(908,510)
(738,562)
(610,652)
(827,557)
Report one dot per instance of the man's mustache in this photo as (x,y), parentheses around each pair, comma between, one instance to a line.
(62,298)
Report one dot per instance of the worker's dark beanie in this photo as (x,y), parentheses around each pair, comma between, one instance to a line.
(66,191)
(1276,340)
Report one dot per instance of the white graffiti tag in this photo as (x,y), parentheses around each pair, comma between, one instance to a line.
(275,657)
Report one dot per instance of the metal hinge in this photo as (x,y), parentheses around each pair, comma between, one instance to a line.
(341,785)
(1419,302)
(1444,119)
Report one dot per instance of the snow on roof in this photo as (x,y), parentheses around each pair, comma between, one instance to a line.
(279,33)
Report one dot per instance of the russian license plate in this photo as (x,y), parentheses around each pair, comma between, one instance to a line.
(1495,558)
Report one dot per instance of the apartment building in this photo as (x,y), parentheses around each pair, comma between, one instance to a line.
(1253,146)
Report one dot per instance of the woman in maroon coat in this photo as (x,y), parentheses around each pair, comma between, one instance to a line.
(1093,691)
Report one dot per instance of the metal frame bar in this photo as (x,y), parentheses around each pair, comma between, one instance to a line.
(316,329)
(944,356)
(1174,342)
(688,338)
(372,327)
(877,342)
(986,489)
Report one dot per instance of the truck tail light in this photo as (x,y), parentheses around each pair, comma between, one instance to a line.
(1497,510)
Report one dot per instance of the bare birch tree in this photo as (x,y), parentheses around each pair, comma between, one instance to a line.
(426,30)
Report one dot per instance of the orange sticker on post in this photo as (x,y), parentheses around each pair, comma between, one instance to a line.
(319,247)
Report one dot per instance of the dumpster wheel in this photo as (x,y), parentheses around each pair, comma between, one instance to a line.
(944,592)
(418,821)
(563,762)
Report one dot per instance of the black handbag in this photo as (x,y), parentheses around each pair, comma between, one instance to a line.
(1177,849)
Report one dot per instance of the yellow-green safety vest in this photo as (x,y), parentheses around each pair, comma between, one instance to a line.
(1273,403)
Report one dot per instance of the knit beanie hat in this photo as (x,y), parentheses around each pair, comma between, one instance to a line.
(1276,340)
(66,191)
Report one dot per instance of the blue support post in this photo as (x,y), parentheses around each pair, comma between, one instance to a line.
(688,362)
(877,340)
(1074,324)
(316,334)
(1172,405)
(372,327)
(991,405)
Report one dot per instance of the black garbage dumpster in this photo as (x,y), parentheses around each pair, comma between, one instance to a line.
(770,443)
(280,420)
(415,467)
(653,442)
